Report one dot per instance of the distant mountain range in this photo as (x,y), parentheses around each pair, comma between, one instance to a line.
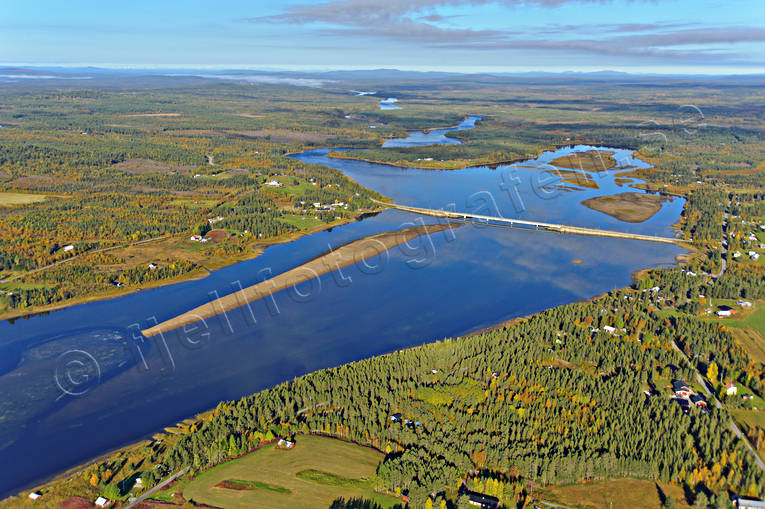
(376,76)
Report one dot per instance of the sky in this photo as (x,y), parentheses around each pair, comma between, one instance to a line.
(641,36)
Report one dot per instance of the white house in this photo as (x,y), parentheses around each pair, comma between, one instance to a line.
(609,329)
(68,248)
(746,503)
(34,495)
(724,312)
(286,444)
(274,183)
(744,304)
(755,256)
(731,389)
(152,266)
(102,502)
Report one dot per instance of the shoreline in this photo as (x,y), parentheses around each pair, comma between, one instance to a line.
(471,164)
(343,256)
(68,472)
(258,248)
(467,165)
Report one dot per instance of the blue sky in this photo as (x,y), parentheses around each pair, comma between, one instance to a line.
(670,36)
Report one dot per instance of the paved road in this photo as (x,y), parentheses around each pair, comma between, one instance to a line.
(156,488)
(724,252)
(712,397)
(560,228)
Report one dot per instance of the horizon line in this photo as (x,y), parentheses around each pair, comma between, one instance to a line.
(694,71)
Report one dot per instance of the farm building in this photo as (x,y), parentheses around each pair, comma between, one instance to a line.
(698,400)
(681,388)
(481,500)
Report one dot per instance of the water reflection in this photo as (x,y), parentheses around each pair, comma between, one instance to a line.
(442,285)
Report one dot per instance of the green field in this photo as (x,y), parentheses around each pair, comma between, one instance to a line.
(748,327)
(16,199)
(188,202)
(302,222)
(752,341)
(748,420)
(749,417)
(614,494)
(753,318)
(312,474)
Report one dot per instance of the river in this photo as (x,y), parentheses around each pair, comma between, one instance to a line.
(78,382)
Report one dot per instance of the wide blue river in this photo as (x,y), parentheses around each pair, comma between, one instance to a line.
(78,382)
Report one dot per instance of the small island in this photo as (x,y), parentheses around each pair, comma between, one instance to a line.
(592,160)
(627,207)
(577,178)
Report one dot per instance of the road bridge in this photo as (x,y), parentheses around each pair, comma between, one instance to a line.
(536,225)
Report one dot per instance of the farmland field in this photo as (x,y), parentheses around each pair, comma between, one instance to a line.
(312,474)
(748,326)
(614,494)
(16,199)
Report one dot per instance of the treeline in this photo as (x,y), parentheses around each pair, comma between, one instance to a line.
(740,281)
(14,261)
(550,398)
(74,280)
(703,214)
(254,214)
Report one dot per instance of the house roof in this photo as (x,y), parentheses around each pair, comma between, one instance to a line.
(749,503)
(679,385)
(484,500)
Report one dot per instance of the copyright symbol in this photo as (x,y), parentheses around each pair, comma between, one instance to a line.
(77,372)
(689,118)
